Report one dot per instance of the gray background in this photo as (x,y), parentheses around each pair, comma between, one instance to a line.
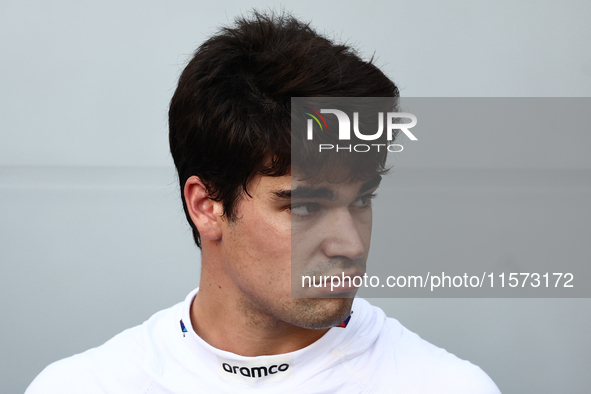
(93,235)
(521,207)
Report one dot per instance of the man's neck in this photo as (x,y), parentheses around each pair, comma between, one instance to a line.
(220,318)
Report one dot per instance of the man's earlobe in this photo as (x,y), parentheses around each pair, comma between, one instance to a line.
(205,213)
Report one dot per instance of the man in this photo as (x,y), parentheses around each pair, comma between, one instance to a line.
(264,213)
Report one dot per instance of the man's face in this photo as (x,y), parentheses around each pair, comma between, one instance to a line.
(318,229)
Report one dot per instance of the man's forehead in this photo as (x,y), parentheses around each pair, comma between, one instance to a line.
(367,183)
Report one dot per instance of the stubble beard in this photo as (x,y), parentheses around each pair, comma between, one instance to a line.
(307,313)
(319,313)
(328,310)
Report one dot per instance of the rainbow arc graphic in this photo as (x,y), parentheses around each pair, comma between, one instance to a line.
(315,115)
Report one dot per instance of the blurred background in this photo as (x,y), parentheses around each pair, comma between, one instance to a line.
(93,238)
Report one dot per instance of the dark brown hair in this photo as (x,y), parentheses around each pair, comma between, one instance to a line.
(229,118)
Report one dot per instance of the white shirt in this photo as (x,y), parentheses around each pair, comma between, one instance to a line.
(372,354)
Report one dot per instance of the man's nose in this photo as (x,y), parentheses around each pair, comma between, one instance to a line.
(344,235)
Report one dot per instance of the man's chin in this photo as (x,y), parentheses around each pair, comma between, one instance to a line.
(321,313)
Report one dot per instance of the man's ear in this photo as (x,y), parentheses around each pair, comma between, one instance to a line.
(205,213)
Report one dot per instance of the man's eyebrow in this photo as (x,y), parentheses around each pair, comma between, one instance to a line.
(323,193)
(370,184)
(302,192)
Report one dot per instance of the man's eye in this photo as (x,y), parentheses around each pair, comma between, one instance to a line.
(304,210)
(364,201)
